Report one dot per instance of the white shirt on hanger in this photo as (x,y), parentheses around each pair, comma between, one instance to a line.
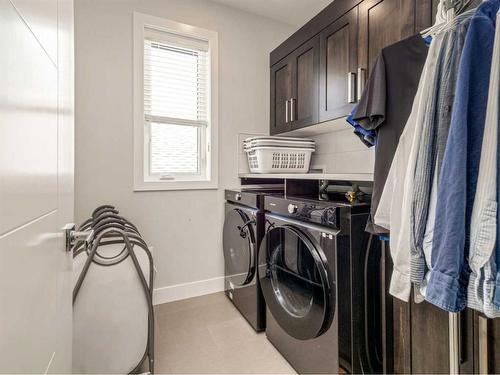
(393,212)
(483,229)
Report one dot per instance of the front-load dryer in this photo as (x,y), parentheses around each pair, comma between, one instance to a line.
(244,226)
(321,285)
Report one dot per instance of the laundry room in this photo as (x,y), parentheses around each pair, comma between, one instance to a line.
(249,187)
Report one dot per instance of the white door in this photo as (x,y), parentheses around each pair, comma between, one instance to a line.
(36,184)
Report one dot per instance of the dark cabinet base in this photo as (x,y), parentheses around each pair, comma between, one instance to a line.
(418,335)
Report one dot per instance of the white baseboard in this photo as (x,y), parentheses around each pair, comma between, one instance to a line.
(187,290)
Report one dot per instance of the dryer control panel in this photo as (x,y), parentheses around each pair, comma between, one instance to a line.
(310,211)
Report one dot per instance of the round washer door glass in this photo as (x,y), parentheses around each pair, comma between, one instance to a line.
(295,283)
(239,247)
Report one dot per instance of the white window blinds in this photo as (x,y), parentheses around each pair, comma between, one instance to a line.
(176,82)
(175,79)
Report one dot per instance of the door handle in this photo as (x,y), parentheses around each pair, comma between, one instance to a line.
(351,84)
(242,228)
(74,237)
(361,83)
(286,112)
(292,110)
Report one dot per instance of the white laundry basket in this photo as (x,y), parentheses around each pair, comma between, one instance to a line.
(279,142)
(279,159)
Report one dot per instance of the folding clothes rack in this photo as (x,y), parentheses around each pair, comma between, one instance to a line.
(107,227)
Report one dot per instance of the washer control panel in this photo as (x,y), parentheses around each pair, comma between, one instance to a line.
(317,212)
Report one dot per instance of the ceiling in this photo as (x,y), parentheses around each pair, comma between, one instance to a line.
(292,12)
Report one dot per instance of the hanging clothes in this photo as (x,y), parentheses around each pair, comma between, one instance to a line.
(483,236)
(449,273)
(386,104)
(395,208)
(390,210)
(496,299)
(368,137)
(430,150)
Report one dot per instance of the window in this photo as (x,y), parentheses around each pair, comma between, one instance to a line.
(175,67)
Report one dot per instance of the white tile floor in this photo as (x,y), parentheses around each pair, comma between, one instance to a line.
(207,335)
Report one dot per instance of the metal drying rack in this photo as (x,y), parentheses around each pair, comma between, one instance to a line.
(107,227)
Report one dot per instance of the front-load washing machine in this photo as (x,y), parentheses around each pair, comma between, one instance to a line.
(321,282)
(244,226)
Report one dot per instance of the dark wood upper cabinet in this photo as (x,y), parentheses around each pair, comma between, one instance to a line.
(338,65)
(381,23)
(318,74)
(294,89)
(281,92)
(304,101)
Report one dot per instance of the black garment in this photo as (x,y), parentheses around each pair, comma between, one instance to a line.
(386,105)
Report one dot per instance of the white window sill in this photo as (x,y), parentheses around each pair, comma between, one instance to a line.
(175,185)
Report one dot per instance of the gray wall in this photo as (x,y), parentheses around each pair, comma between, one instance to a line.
(184,227)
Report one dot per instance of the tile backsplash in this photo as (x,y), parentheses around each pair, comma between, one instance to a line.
(341,151)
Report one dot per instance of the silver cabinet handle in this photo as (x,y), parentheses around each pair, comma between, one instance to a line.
(292,110)
(361,82)
(287,119)
(351,83)
(483,345)
(453,343)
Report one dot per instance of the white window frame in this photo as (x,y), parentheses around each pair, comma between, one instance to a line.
(143,182)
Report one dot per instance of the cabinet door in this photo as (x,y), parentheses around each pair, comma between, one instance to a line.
(487,341)
(381,23)
(304,102)
(281,93)
(430,350)
(338,64)
(425,14)
(421,339)
(430,340)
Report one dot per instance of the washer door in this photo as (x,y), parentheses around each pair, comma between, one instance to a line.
(295,283)
(239,243)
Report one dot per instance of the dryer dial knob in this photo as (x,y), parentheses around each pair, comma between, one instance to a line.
(292,208)
(237,197)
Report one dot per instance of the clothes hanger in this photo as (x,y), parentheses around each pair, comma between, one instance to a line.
(446,12)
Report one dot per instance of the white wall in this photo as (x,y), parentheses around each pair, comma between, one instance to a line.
(184,227)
